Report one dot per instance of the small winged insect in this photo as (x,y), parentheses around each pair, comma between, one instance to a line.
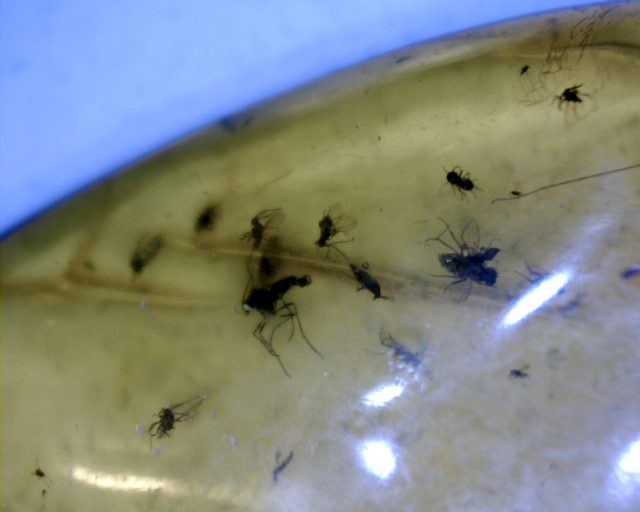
(175,413)
(262,221)
(467,263)
(519,373)
(570,95)
(367,281)
(332,224)
(524,69)
(400,352)
(460,181)
(147,249)
(269,302)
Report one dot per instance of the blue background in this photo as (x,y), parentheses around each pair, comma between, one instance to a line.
(88,87)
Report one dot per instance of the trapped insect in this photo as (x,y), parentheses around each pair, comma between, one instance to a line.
(401,352)
(467,263)
(175,413)
(148,248)
(570,95)
(261,222)
(519,373)
(269,302)
(332,223)
(460,181)
(367,281)
(206,219)
(524,69)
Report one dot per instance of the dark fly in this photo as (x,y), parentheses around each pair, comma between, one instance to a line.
(468,261)
(460,181)
(260,223)
(147,249)
(401,352)
(269,302)
(524,69)
(41,475)
(206,219)
(367,281)
(169,416)
(570,95)
(519,373)
(333,223)
(281,465)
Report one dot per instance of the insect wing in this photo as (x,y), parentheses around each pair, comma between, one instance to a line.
(459,291)
(470,236)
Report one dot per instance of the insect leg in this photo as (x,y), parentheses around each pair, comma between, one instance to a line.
(294,313)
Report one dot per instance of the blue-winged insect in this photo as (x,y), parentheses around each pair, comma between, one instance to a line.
(467,263)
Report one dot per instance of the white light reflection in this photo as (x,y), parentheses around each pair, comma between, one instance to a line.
(382,395)
(128,482)
(627,472)
(224,494)
(378,458)
(536,297)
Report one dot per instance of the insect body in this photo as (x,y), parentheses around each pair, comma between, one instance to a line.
(205,221)
(467,262)
(570,95)
(269,301)
(630,272)
(524,69)
(169,416)
(147,250)
(367,281)
(332,223)
(519,373)
(402,353)
(460,181)
(260,223)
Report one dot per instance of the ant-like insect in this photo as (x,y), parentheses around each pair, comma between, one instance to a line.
(332,223)
(460,181)
(519,373)
(269,302)
(260,223)
(169,416)
(467,262)
(147,249)
(367,281)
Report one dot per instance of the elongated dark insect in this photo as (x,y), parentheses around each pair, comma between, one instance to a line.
(147,249)
(629,272)
(519,373)
(169,416)
(260,223)
(524,69)
(567,182)
(281,465)
(401,352)
(467,262)
(332,223)
(269,302)
(367,281)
